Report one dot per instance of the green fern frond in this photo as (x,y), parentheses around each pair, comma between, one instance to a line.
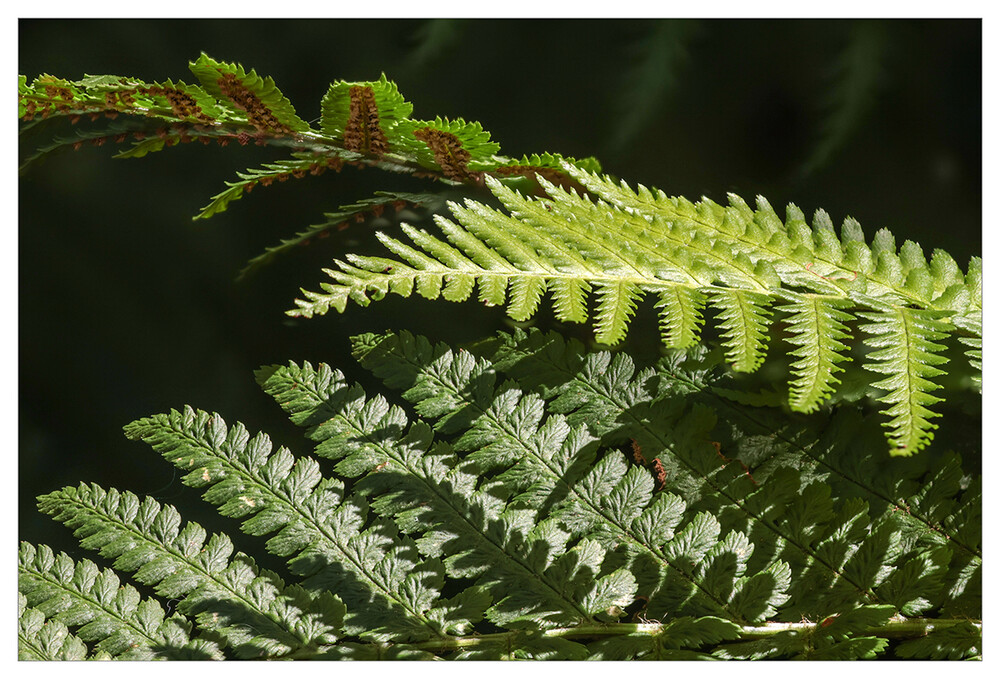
(907,353)
(41,639)
(312,521)
(363,115)
(262,104)
(818,328)
(738,261)
(264,618)
(106,614)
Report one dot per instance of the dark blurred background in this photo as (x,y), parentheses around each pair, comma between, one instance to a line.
(128,308)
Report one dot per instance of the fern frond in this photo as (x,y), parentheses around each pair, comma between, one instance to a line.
(741,262)
(379,577)
(41,639)
(113,617)
(256,100)
(907,353)
(263,617)
(342,219)
(280,171)
(818,537)
(411,480)
(818,331)
(364,115)
(606,503)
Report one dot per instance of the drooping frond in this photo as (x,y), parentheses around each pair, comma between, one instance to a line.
(741,263)
(342,219)
(906,352)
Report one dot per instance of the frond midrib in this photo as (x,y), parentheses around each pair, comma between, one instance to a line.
(331,539)
(205,574)
(435,491)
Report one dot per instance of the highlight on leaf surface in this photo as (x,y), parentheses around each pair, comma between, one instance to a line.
(740,264)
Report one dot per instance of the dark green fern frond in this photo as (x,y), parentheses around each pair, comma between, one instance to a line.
(342,219)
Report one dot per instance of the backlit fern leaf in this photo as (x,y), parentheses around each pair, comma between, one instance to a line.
(817,327)
(745,264)
(907,353)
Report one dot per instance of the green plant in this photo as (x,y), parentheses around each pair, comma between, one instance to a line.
(536,498)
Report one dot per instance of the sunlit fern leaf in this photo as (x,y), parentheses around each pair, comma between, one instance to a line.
(364,115)
(41,639)
(743,318)
(742,262)
(906,352)
(327,536)
(105,613)
(680,316)
(147,538)
(818,330)
(455,147)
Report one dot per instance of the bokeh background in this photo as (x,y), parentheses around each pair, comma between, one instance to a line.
(128,308)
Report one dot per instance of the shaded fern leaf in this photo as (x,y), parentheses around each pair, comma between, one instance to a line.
(679,639)
(953,642)
(410,480)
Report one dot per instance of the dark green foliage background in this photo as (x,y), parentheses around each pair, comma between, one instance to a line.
(128,308)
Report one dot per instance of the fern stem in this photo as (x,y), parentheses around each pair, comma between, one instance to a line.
(900,628)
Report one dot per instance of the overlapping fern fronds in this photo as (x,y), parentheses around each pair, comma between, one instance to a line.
(743,264)
(588,238)
(590,512)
